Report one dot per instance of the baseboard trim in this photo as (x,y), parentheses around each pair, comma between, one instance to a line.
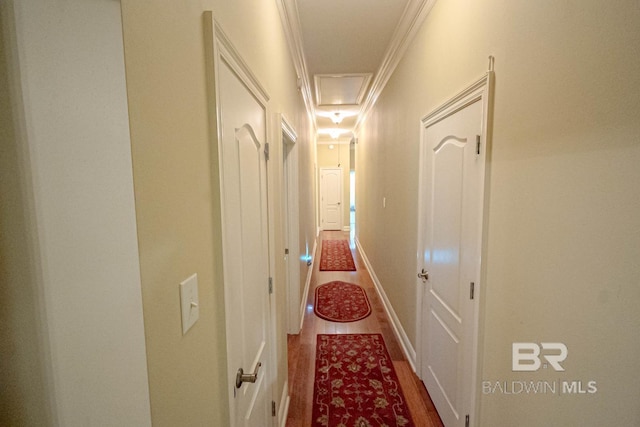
(346,228)
(307,283)
(398,330)
(283,410)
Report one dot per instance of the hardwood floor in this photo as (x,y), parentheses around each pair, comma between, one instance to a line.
(302,347)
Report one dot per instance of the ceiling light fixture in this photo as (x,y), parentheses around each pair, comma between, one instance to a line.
(336,116)
(334,133)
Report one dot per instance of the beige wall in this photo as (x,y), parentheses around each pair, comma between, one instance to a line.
(338,157)
(73,343)
(563,240)
(175,199)
(73,349)
(23,400)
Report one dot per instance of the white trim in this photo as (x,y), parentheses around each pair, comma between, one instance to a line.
(287,137)
(307,283)
(398,330)
(291,25)
(288,129)
(283,409)
(467,96)
(225,50)
(361,93)
(410,22)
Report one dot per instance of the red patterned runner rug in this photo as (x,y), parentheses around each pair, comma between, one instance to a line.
(336,256)
(356,385)
(341,302)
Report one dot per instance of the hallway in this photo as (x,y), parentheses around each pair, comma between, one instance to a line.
(302,347)
(111,171)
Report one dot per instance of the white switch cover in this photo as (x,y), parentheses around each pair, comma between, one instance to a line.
(189,302)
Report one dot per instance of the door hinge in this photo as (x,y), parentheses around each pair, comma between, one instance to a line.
(273,408)
(466,421)
(270,285)
(286,251)
(266,151)
(472,290)
(477,144)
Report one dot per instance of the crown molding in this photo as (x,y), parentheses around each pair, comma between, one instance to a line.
(413,16)
(410,22)
(291,24)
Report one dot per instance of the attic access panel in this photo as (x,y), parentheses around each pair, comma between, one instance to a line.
(341,89)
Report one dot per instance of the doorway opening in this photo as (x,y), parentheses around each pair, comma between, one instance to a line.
(291,223)
(352,207)
(352,193)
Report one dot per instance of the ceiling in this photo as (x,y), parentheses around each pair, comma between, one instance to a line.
(344,52)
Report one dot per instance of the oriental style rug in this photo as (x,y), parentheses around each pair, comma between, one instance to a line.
(341,302)
(356,385)
(336,256)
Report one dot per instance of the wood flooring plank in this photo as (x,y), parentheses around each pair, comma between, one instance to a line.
(302,347)
(417,407)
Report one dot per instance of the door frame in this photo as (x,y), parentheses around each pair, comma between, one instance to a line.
(218,48)
(291,227)
(481,90)
(321,196)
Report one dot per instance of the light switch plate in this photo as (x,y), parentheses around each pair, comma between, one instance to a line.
(189,303)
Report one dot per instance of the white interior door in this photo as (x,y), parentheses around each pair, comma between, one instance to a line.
(243,186)
(331,198)
(452,184)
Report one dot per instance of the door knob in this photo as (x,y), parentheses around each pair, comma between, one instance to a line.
(424,275)
(241,377)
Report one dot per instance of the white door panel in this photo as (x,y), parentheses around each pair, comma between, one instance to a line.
(447,164)
(450,242)
(331,198)
(246,269)
(450,311)
(242,134)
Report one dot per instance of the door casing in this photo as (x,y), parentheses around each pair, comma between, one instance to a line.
(291,221)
